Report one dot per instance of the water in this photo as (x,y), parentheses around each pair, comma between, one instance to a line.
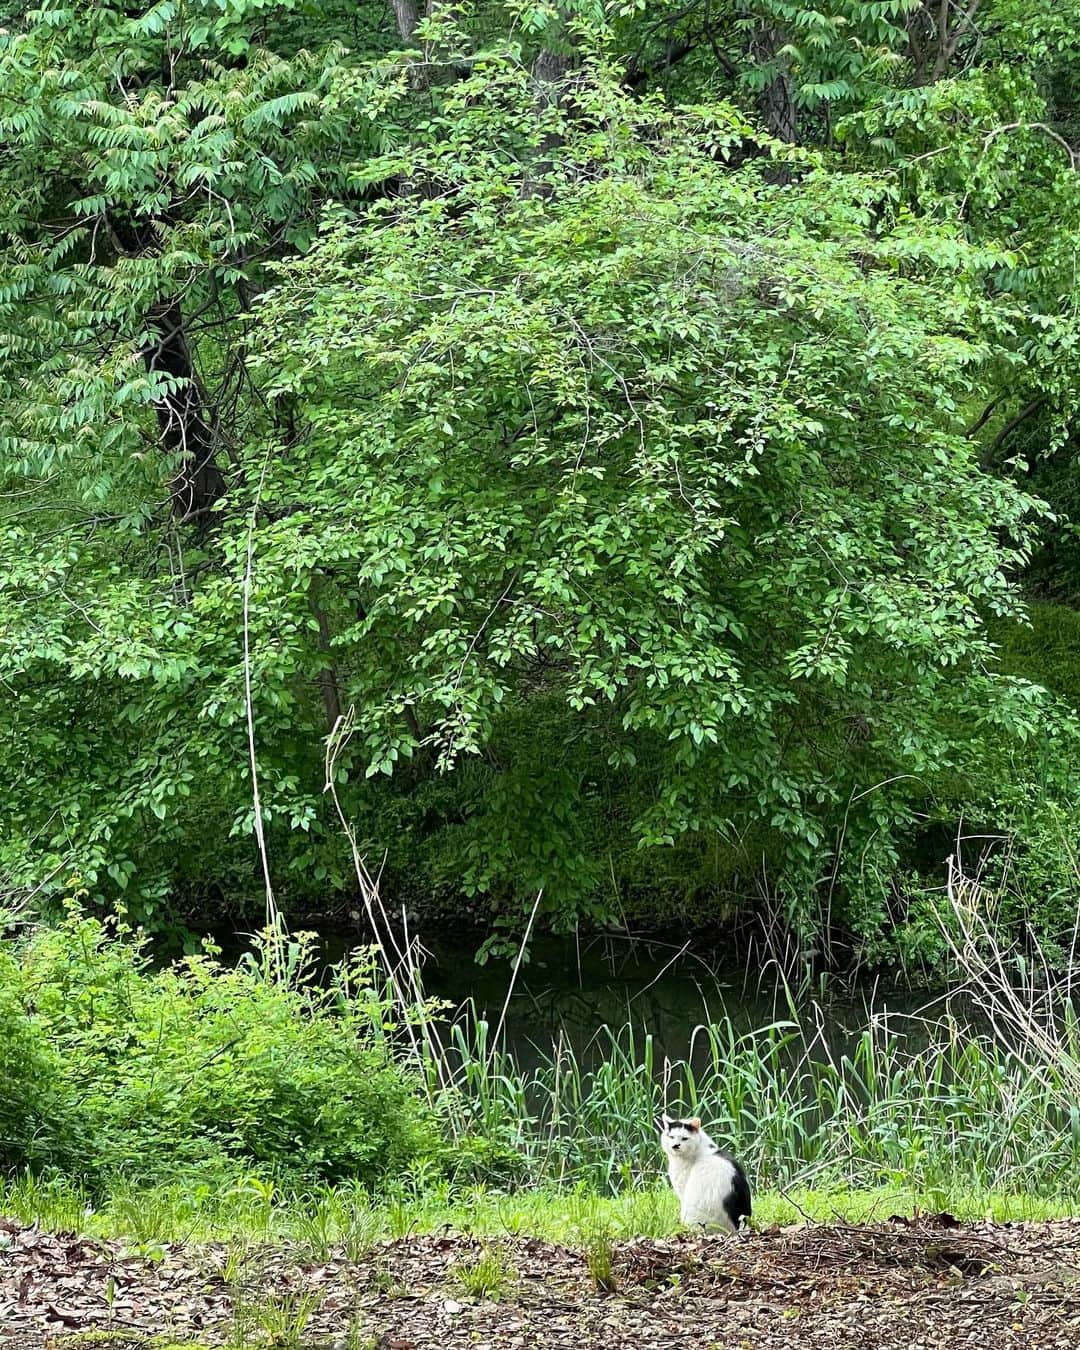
(569,991)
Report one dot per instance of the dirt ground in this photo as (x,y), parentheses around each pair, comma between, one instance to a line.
(902,1285)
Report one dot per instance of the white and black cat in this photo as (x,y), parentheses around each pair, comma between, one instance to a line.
(711,1186)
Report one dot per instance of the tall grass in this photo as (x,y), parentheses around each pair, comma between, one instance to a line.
(930,1106)
(1032,1004)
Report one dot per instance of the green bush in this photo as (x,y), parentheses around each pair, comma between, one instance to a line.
(35,1116)
(199,1066)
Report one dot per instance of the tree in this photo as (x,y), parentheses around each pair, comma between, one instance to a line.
(616,410)
(156,158)
(681,453)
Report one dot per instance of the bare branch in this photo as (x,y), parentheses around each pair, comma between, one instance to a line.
(985,416)
(1074,156)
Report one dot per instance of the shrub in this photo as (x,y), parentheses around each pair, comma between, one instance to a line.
(203,1067)
(35,1117)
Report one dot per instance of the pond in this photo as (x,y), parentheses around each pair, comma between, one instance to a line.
(571,990)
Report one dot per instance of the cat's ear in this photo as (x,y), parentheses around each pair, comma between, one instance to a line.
(695,1123)
(664,1122)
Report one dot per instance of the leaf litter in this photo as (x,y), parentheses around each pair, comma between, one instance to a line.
(925,1284)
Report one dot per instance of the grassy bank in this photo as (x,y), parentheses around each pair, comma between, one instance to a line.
(347,1220)
(267,1159)
(205,1101)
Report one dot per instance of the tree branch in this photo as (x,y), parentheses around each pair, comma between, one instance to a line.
(985,416)
(638,75)
(1011,425)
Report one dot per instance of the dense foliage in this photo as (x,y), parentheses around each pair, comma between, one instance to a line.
(113,1069)
(199,1091)
(626,411)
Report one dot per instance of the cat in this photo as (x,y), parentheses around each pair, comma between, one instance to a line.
(711,1186)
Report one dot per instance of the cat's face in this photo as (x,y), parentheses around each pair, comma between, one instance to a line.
(680,1138)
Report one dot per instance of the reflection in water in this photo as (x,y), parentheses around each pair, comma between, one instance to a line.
(569,991)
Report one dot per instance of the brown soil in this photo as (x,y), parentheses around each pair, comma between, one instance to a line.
(903,1285)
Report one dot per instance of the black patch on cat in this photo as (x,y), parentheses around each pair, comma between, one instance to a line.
(737,1200)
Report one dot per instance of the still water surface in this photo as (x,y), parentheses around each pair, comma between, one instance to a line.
(570,991)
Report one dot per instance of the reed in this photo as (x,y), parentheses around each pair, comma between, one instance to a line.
(932,1106)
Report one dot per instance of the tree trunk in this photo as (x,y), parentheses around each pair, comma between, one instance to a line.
(185,433)
(935,32)
(406,17)
(185,430)
(775,101)
(422,74)
(549,70)
(328,681)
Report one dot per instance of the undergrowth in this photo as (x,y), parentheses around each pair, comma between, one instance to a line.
(199,1099)
(109,1066)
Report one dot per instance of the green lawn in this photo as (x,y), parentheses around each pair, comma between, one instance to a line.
(346,1217)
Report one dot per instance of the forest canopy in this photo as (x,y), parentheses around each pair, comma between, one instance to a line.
(652,425)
